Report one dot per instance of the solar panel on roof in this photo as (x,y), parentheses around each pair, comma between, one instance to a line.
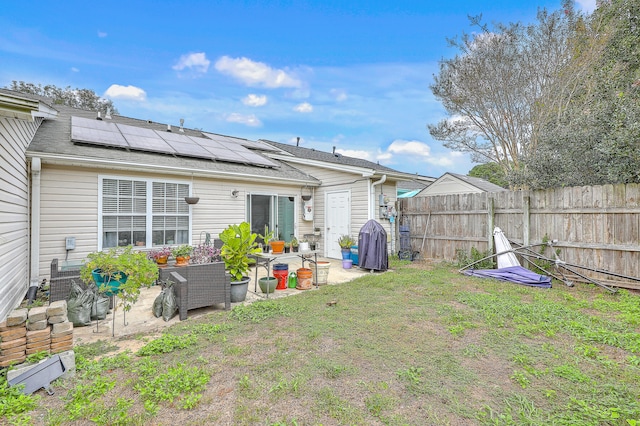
(244,142)
(143,143)
(226,155)
(223,148)
(253,158)
(173,137)
(125,129)
(96,132)
(191,150)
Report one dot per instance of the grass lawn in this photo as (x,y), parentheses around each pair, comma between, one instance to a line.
(419,345)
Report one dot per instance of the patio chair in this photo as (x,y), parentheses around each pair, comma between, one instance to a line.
(199,286)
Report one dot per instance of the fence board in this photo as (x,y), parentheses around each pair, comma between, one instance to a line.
(598,226)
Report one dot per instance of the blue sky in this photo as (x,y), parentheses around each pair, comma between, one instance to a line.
(349,74)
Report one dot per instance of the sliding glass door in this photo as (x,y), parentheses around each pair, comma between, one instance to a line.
(276,212)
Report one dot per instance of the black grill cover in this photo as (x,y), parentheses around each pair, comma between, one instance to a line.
(372,247)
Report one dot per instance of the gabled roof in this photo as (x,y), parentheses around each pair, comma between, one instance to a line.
(479,183)
(453,183)
(310,156)
(53,144)
(21,107)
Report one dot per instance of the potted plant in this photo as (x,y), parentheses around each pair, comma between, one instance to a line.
(159,255)
(304,245)
(120,271)
(182,253)
(239,242)
(287,247)
(294,244)
(204,253)
(266,239)
(345,242)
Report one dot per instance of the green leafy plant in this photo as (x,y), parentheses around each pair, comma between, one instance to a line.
(294,242)
(267,236)
(115,263)
(182,250)
(345,241)
(239,243)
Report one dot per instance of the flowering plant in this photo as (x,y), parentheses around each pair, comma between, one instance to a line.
(157,253)
(182,251)
(204,253)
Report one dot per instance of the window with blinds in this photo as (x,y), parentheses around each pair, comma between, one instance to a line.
(127,220)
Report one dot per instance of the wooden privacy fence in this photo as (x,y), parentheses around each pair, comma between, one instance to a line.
(596,226)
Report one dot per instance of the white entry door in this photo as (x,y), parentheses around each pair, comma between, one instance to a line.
(338,214)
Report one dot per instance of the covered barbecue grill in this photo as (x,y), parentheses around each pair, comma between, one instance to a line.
(372,247)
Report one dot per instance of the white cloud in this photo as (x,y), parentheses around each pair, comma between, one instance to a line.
(363,155)
(304,107)
(197,62)
(403,151)
(338,94)
(256,73)
(102,34)
(417,148)
(74,69)
(248,120)
(255,100)
(587,5)
(115,91)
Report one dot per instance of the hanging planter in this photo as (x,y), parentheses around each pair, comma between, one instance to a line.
(191,200)
(305,193)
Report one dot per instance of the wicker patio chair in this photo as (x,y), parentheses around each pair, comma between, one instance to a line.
(202,285)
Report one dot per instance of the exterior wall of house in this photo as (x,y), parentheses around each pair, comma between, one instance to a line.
(335,180)
(15,136)
(448,185)
(69,205)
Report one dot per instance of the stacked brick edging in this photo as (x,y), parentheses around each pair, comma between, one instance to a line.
(28,331)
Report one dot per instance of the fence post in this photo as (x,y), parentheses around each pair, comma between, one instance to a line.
(526,215)
(491,213)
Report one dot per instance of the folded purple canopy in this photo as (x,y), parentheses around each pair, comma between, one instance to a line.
(515,274)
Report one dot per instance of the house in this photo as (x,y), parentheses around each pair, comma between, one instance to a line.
(352,191)
(87,182)
(452,183)
(411,188)
(20,118)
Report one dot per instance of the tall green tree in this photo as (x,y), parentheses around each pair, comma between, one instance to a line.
(491,172)
(493,89)
(76,98)
(595,137)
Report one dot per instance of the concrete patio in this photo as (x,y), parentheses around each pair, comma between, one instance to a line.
(140,318)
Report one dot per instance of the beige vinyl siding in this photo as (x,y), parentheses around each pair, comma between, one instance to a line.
(335,180)
(389,190)
(217,208)
(15,136)
(69,207)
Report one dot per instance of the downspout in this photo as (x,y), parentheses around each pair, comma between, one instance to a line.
(374,204)
(35,221)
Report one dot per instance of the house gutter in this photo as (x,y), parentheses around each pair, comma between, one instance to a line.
(372,194)
(36,166)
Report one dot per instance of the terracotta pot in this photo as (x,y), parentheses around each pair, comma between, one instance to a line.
(277,247)
(182,260)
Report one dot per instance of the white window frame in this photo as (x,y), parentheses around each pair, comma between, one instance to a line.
(149,215)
